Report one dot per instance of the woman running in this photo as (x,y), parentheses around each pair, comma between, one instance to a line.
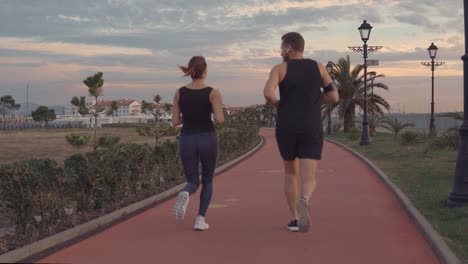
(194,105)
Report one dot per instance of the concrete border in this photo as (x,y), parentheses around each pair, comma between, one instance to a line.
(438,245)
(34,249)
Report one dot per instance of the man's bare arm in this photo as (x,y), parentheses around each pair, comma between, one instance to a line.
(330,94)
(270,86)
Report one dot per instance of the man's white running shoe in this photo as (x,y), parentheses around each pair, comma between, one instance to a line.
(304,218)
(200,224)
(181,205)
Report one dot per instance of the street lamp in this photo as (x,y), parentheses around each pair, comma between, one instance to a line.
(459,195)
(329,129)
(365,30)
(432,50)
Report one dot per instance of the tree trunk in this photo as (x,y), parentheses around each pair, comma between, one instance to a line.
(95,131)
(349,118)
(156,131)
(95,124)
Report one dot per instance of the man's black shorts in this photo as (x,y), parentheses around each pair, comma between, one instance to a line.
(302,145)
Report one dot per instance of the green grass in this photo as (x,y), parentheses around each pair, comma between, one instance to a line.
(425,179)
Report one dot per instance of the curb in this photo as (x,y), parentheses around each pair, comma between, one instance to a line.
(438,245)
(106,221)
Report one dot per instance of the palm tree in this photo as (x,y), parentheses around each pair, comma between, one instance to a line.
(449,139)
(395,126)
(351,88)
(454,115)
(374,123)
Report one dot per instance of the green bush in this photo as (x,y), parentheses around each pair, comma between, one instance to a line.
(33,189)
(168,164)
(411,138)
(82,187)
(336,127)
(111,175)
(105,179)
(354,134)
(447,141)
(235,139)
(108,141)
(171,131)
(78,140)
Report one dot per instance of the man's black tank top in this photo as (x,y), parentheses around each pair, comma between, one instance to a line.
(300,108)
(196,109)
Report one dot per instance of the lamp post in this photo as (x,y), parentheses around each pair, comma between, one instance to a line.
(459,195)
(329,129)
(432,54)
(365,30)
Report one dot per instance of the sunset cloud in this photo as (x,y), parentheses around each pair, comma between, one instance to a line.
(85,50)
(138,44)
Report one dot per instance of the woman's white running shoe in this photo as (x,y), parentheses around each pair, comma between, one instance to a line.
(200,224)
(181,205)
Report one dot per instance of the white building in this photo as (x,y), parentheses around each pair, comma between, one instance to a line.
(71,110)
(126,107)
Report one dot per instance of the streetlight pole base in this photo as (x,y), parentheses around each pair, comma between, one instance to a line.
(432,128)
(364,143)
(459,195)
(365,138)
(457,201)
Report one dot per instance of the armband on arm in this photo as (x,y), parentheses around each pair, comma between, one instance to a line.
(330,87)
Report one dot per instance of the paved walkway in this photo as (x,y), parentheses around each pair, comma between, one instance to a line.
(355,219)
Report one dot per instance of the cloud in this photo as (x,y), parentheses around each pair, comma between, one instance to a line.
(418,20)
(74,18)
(85,50)
(139,44)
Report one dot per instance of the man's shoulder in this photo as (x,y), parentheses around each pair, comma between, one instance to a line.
(311,60)
(279,66)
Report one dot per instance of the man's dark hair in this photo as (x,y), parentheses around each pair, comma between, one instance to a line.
(295,40)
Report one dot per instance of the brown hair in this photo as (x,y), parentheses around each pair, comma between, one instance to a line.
(295,40)
(195,68)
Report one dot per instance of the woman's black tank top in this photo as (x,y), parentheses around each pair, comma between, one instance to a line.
(196,109)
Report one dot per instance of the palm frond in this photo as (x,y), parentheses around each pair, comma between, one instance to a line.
(454,115)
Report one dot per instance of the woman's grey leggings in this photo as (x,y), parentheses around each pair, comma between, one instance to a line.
(196,148)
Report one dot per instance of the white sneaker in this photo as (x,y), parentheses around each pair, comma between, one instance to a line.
(181,205)
(304,218)
(200,224)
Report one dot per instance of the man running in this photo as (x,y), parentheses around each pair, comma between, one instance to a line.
(299,131)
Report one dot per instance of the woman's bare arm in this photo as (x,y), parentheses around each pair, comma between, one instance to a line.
(176,114)
(217,103)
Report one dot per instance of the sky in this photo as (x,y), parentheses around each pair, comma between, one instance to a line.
(53,45)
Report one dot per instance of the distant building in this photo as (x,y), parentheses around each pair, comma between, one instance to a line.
(232,109)
(71,110)
(126,107)
(165,116)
